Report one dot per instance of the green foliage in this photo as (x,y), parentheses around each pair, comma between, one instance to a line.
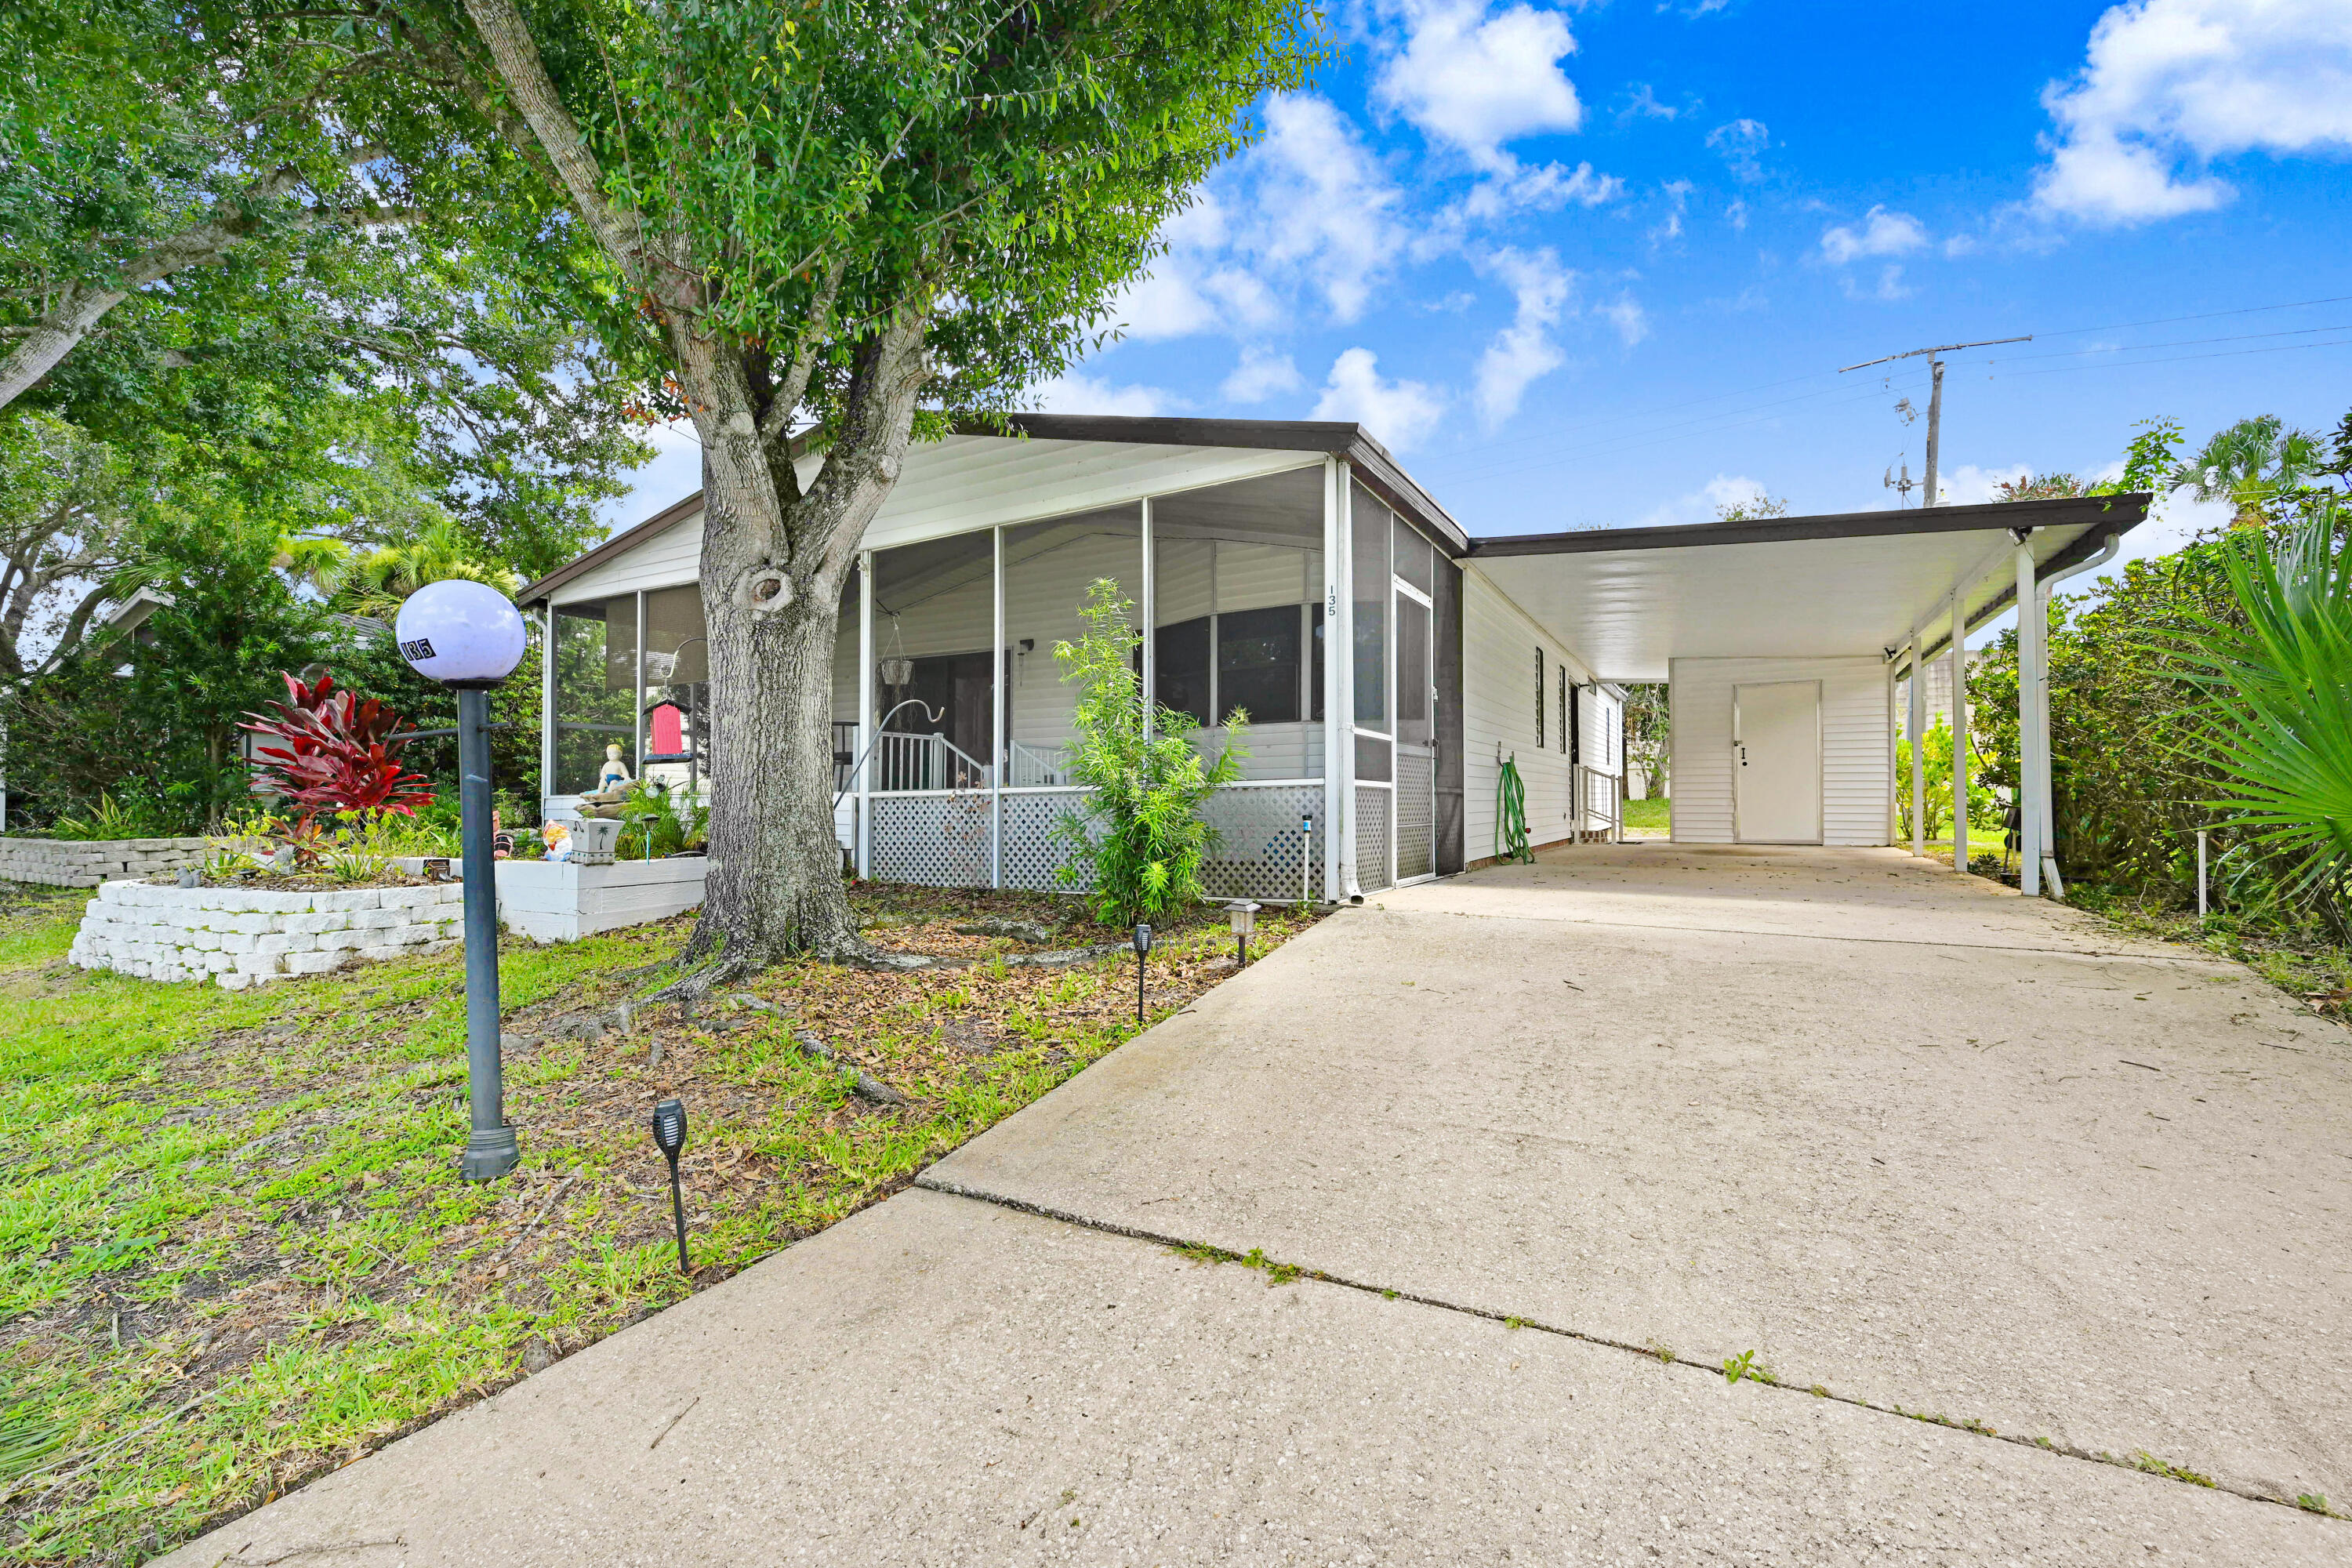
(1140,832)
(2274,672)
(2125,787)
(2250,466)
(1936,770)
(652,825)
(1649,731)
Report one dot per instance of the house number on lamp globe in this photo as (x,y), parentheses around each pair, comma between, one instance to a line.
(460,633)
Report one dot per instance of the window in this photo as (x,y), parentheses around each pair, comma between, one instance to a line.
(1180,662)
(1540,699)
(1563,707)
(1257,664)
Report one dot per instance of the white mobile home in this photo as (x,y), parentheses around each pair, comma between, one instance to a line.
(1389,663)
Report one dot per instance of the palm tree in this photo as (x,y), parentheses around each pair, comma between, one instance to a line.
(374,583)
(2251,465)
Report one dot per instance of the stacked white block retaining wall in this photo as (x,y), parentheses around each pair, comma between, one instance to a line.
(87,862)
(236,939)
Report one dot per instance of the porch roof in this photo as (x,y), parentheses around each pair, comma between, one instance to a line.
(1371,464)
(1629,599)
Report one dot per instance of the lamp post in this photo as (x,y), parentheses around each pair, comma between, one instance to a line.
(1244,916)
(1142,946)
(467,636)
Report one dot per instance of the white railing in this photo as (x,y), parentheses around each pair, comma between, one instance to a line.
(1026,767)
(904,763)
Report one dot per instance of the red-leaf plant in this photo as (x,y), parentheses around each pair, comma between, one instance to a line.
(335,752)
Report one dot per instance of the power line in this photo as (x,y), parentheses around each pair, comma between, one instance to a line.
(2176,359)
(2206,316)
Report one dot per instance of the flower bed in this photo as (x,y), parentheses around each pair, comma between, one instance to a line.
(87,862)
(237,938)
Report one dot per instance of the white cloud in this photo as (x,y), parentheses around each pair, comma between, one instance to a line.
(1324,205)
(1474,78)
(1075,393)
(1881,233)
(1625,314)
(1260,375)
(1700,505)
(1644,105)
(1971,485)
(1397,412)
(1740,143)
(1890,285)
(1307,210)
(1677,195)
(1511,187)
(1523,351)
(2171,84)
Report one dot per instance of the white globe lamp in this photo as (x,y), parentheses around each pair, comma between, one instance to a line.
(467,636)
(460,633)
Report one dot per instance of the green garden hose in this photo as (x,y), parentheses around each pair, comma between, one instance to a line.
(1511,814)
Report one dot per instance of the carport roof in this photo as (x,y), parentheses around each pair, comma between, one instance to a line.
(1629,599)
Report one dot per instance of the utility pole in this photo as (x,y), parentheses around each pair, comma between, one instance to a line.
(1935,397)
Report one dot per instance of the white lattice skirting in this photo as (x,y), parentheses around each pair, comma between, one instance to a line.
(1372,806)
(948,839)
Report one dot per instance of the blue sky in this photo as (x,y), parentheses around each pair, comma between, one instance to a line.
(1597,265)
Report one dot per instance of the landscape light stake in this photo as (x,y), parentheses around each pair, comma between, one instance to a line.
(1244,915)
(669,1137)
(1306,843)
(467,636)
(1142,946)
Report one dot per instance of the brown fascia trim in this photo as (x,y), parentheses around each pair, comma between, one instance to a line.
(2114,525)
(2119,513)
(1371,462)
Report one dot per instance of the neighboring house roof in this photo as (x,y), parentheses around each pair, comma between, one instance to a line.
(1371,463)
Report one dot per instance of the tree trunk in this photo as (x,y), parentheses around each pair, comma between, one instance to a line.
(772,576)
(775,885)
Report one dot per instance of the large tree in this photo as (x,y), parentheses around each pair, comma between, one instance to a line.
(835,225)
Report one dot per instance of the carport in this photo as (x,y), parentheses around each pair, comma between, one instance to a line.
(1781,641)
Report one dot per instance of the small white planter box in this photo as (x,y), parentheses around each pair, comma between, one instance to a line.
(561,900)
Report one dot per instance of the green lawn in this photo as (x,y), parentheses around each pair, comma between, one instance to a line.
(1652,815)
(234,1252)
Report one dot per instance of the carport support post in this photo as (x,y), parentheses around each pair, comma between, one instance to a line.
(1918,751)
(1959,729)
(2030,776)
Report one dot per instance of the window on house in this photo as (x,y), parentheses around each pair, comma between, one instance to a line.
(1563,707)
(1257,663)
(1180,663)
(1540,699)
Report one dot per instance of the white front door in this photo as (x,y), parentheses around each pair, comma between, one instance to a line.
(1775,756)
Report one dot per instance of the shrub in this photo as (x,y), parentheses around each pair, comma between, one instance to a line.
(1140,832)
(334,752)
(2275,677)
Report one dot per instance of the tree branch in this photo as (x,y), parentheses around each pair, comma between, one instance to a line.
(515,54)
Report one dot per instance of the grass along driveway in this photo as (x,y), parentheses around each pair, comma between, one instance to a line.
(234,1251)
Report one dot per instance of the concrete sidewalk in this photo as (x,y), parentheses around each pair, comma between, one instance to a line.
(1927,1146)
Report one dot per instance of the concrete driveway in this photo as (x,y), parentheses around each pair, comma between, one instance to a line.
(1991,1191)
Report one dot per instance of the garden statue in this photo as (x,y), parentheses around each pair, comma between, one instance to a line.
(617,771)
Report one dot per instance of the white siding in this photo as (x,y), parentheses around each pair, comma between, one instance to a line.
(670,557)
(1498,708)
(1854,725)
